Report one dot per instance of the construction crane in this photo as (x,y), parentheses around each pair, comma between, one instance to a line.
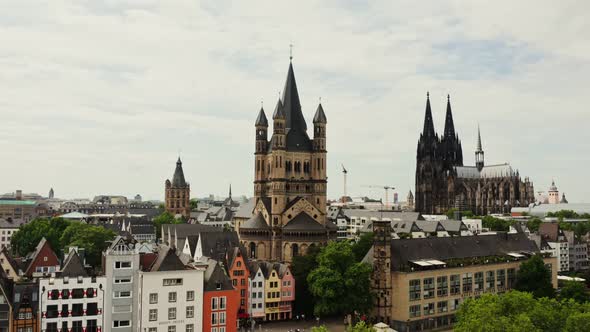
(344,173)
(386,188)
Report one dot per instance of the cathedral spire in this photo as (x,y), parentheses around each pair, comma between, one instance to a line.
(428,124)
(478,140)
(479,155)
(291,103)
(449,125)
(230,191)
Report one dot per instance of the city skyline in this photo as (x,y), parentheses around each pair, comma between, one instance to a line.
(147,80)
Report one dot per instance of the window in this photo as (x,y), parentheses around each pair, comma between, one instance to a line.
(122,294)
(153,329)
(190,295)
(213,318)
(442,286)
(190,328)
(173,282)
(222,303)
(414,289)
(511,278)
(121,323)
(222,318)
(172,297)
(478,286)
(76,326)
(190,312)
(214,303)
(122,265)
(92,309)
(121,308)
(171,328)
(428,309)
(455,304)
(171,313)
(455,284)
(501,279)
(442,306)
(51,327)
(415,310)
(153,315)
(77,309)
(77,293)
(52,311)
(90,292)
(123,280)
(490,275)
(153,298)
(467,282)
(428,288)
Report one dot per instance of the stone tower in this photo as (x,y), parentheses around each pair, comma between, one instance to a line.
(553,193)
(381,279)
(290,181)
(178,193)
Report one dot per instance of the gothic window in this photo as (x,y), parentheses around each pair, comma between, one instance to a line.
(252,250)
(294,250)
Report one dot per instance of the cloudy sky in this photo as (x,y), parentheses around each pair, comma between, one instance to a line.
(100,97)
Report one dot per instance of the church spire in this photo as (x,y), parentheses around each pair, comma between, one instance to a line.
(449,125)
(291,103)
(428,124)
(479,156)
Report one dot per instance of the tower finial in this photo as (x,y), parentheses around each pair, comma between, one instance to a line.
(290,52)
(320,100)
(448,97)
(427,94)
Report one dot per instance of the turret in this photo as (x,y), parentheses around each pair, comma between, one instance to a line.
(319,129)
(279,119)
(261,132)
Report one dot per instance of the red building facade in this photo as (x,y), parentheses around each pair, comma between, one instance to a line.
(221,301)
(239,274)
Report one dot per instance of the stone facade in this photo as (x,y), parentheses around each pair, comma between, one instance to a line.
(178,193)
(442,182)
(290,182)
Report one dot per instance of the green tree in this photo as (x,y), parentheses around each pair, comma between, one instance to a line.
(94,240)
(339,284)
(574,290)
(496,224)
(578,322)
(165,218)
(362,246)
(534,277)
(194,203)
(321,328)
(301,267)
(360,327)
(29,235)
(533,224)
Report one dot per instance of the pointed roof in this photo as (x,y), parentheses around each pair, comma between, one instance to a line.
(563,199)
(478,140)
(73,266)
(279,111)
(553,186)
(261,119)
(178,180)
(428,123)
(320,116)
(449,125)
(216,278)
(167,261)
(291,103)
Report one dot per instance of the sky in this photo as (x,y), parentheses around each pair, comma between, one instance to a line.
(101,97)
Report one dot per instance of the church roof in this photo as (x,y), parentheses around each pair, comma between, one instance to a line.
(303,222)
(297,138)
(320,116)
(279,111)
(256,222)
(428,122)
(261,119)
(491,171)
(178,180)
(449,125)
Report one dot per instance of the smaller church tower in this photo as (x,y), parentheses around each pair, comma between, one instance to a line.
(51,193)
(553,193)
(479,160)
(318,162)
(178,193)
(260,168)
(381,283)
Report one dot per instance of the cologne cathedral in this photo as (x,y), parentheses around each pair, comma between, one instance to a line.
(290,182)
(443,182)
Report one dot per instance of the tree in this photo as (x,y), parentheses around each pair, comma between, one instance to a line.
(578,322)
(360,327)
(534,277)
(194,203)
(94,240)
(362,246)
(301,267)
(340,285)
(533,224)
(29,235)
(496,224)
(164,218)
(574,290)
(321,328)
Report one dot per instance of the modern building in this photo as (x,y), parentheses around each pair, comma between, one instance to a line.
(170,295)
(72,300)
(17,209)
(290,182)
(120,263)
(443,182)
(420,283)
(178,193)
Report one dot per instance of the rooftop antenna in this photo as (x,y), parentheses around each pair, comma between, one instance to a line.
(344,173)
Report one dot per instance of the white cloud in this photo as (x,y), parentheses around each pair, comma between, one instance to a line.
(99,97)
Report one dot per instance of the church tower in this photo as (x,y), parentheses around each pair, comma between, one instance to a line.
(290,182)
(428,165)
(452,153)
(177,193)
(479,160)
(381,278)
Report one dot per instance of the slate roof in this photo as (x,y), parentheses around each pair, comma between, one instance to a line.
(256,222)
(491,171)
(261,118)
(303,222)
(73,266)
(142,229)
(178,180)
(11,223)
(320,116)
(215,245)
(167,261)
(279,111)
(297,138)
(245,209)
(10,260)
(216,278)
(445,248)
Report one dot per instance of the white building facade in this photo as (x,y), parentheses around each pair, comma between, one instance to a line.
(256,294)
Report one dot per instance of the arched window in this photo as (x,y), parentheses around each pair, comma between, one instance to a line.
(252,250)
(294,250)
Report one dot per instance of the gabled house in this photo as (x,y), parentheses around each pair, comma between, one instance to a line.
(220,300)
(9,266)
(43,261)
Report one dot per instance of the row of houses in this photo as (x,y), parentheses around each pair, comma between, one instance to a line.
(200,280)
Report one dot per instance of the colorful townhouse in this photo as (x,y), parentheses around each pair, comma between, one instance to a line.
(240,275)
(287,292)
(220,300)
(256,291)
